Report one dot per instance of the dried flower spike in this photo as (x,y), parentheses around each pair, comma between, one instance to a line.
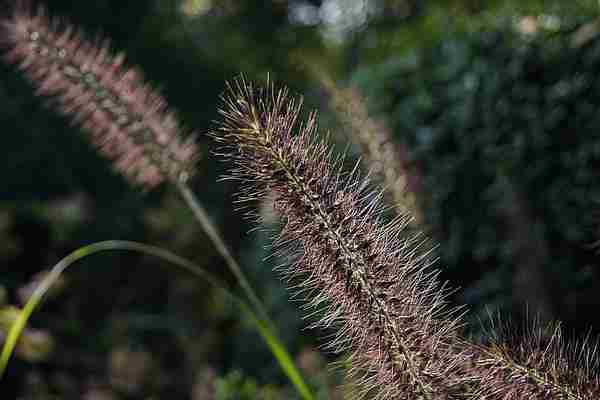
(127,118)
(386,159)
(373,284)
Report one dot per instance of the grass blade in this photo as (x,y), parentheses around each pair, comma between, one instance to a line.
(263,327)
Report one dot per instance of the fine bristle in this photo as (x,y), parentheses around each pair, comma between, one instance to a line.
(535,362)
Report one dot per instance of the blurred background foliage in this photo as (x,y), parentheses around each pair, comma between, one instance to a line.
(494,104)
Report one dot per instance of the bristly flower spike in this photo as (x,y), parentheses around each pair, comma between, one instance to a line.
(386,159)
(372,284)
(128,119)
(538,364)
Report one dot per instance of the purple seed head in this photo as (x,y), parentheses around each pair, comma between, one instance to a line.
(128,120)
(372,283)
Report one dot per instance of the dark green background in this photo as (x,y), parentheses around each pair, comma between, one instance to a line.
(501,130)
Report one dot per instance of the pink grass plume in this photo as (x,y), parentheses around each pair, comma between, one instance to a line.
(128,120)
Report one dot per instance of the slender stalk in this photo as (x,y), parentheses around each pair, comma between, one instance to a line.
(215,236)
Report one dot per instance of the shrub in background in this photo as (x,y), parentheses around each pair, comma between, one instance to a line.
(503,134)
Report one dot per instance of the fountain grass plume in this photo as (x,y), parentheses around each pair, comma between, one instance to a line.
(386,160)
(372,284)
(128,120)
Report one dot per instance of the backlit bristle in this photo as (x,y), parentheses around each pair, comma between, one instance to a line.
(374,286)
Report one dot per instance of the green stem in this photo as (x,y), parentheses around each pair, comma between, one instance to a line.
(269,336)
(215,236)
